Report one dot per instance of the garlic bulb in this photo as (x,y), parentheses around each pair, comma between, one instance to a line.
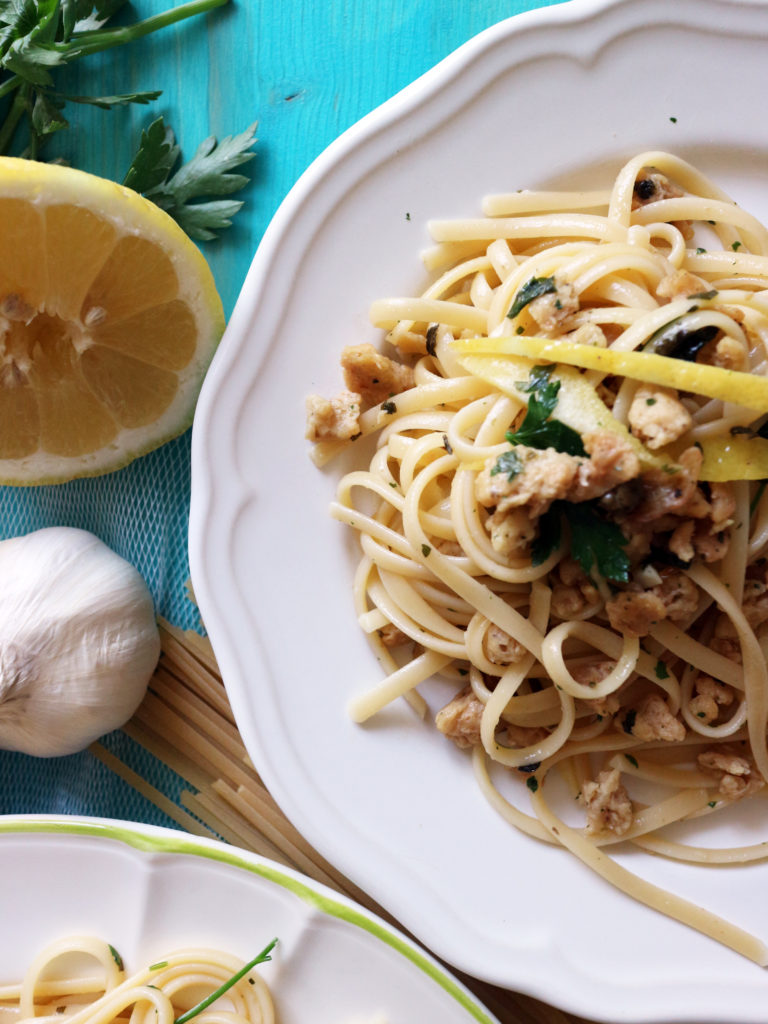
(78,641)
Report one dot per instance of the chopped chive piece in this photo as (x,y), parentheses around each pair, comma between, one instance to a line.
(263,957)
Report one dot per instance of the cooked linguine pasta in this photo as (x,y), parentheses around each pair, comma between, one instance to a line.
(82,980)
(564,516)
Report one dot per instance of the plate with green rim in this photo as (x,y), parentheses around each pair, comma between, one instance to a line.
(149,890)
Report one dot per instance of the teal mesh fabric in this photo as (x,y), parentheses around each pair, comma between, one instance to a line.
(142,513)
(81,784)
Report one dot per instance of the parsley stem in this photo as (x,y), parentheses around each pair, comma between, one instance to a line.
(104,39)
(18,109)
(263,956)
(9,85)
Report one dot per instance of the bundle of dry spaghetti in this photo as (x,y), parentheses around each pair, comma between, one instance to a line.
(186,722)
(565,514)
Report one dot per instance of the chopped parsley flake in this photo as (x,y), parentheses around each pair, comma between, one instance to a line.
(661,670)
(628,722)
(425,549)
(532,289)
(509,463)
(532,783)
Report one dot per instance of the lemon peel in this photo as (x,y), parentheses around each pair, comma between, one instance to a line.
(739,457)
(109,317)
(711,381)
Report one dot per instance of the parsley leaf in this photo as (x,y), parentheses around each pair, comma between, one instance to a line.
(549,536)
(108,102)
(531,290)
(156,155)
(597,542)
(537,429)
(208,173)
(46,115)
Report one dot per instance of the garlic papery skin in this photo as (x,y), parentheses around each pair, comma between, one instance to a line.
(78,641)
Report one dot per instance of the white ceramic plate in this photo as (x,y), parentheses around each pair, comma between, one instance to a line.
(148,891)
(563,94)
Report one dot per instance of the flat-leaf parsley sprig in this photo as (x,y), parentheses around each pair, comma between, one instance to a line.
(539,429)
(39,37)
(208,173)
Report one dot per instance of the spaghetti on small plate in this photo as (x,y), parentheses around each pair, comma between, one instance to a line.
(565,513)
(82,979)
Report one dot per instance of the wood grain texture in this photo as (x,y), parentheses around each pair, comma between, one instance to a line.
(304,71)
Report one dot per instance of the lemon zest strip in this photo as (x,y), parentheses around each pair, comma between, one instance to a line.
(735,386)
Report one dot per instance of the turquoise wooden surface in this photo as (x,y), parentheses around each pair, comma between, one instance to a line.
(305,71)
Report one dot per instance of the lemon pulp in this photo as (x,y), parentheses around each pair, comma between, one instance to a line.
(109,317)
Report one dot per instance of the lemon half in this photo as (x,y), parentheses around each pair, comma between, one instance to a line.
(109,318)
